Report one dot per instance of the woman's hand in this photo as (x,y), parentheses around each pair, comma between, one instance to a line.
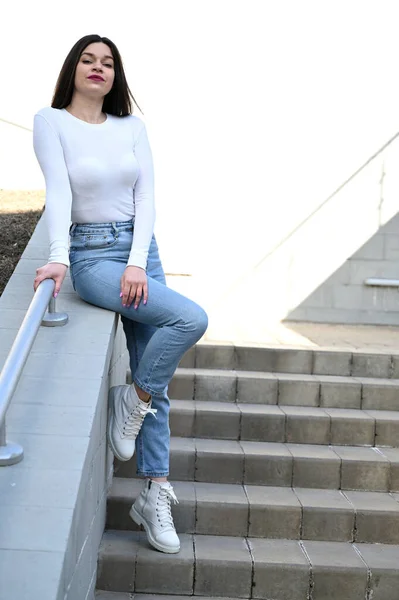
(134,286)
(56,271)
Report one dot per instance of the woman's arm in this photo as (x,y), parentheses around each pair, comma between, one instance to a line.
(49,153)
(144,203)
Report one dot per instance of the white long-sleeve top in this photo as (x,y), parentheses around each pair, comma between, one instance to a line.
(95,173)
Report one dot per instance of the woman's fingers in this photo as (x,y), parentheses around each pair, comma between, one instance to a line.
(139,293)
(134,286)
(127,294)
(55,271)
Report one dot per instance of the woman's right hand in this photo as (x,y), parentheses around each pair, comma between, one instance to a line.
(56,271)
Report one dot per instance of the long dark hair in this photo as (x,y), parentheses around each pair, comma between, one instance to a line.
(116,102)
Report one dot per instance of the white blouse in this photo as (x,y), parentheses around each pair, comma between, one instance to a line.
(95,173)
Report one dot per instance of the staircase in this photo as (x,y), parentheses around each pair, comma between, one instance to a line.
(285,465)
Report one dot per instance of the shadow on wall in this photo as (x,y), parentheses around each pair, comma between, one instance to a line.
(317,272)
(344,297)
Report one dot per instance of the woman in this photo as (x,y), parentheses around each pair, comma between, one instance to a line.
(97,163)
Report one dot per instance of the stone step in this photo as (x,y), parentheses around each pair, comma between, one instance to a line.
(252,387)
(279,464)
(240,567)
(271,423)
(101,595)
(268,512)
(294,360)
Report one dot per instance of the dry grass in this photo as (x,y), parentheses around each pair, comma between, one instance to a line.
(20,211)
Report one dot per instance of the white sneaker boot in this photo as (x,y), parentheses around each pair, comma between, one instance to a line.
(152,509)
(126,414)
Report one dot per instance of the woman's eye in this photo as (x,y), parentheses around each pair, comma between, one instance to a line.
(89,61)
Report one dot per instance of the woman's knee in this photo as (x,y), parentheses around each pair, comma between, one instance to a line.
(199,321)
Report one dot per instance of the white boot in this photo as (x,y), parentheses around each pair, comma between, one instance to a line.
(126,414)
(152,509)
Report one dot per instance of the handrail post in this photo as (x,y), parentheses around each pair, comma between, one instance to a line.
(52,318)
(10,453)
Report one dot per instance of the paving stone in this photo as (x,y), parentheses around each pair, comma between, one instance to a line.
(214,356)
(123,493)
(281,570)
(182,459)
(383,563)
(255,359)
(102,595)
(306,425)
(314,466)
(219,461)
(371,365)
(379,394)
(188,359)
(215,385)
(181,386)
(182,418)
(377,517)
(340,392)
(37,528)
(174,572)
(293,361)
(42,573)
(257,388)
(337,570)
(267,463)
(298,391)
(392,454)
(223,566)
(222,509)
(386,427)
(395,366)
(262,423)
(274,512)
(38,487)
(363,469)
(219,420)
(350,427)
(327,515)
(332,363)
(117,559)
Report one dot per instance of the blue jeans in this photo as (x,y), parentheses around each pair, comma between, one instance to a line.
(157,334)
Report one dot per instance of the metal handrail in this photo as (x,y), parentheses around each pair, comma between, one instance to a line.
(11,453)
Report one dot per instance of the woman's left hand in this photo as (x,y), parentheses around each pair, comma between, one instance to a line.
(134,286)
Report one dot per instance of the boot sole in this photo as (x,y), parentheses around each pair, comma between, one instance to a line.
(137,518)
(110,426)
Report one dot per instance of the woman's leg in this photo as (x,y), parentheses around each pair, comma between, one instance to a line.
(177,323)
(152,442)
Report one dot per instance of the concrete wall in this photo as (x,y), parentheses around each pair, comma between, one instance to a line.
(317,271)
(52,504)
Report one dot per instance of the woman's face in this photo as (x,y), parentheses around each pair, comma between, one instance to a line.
(94,75)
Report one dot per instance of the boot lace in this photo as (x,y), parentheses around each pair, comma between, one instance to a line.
(164,509)
(134,420)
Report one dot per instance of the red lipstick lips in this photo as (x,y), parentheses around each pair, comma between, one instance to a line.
(96,77)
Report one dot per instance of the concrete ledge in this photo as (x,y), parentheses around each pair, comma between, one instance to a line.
(53,503)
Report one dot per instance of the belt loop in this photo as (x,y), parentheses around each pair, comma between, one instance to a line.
(72,228)
(114,227)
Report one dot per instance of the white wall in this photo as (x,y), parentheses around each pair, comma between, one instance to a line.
(256,110)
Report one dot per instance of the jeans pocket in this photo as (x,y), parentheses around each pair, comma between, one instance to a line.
(95,241)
